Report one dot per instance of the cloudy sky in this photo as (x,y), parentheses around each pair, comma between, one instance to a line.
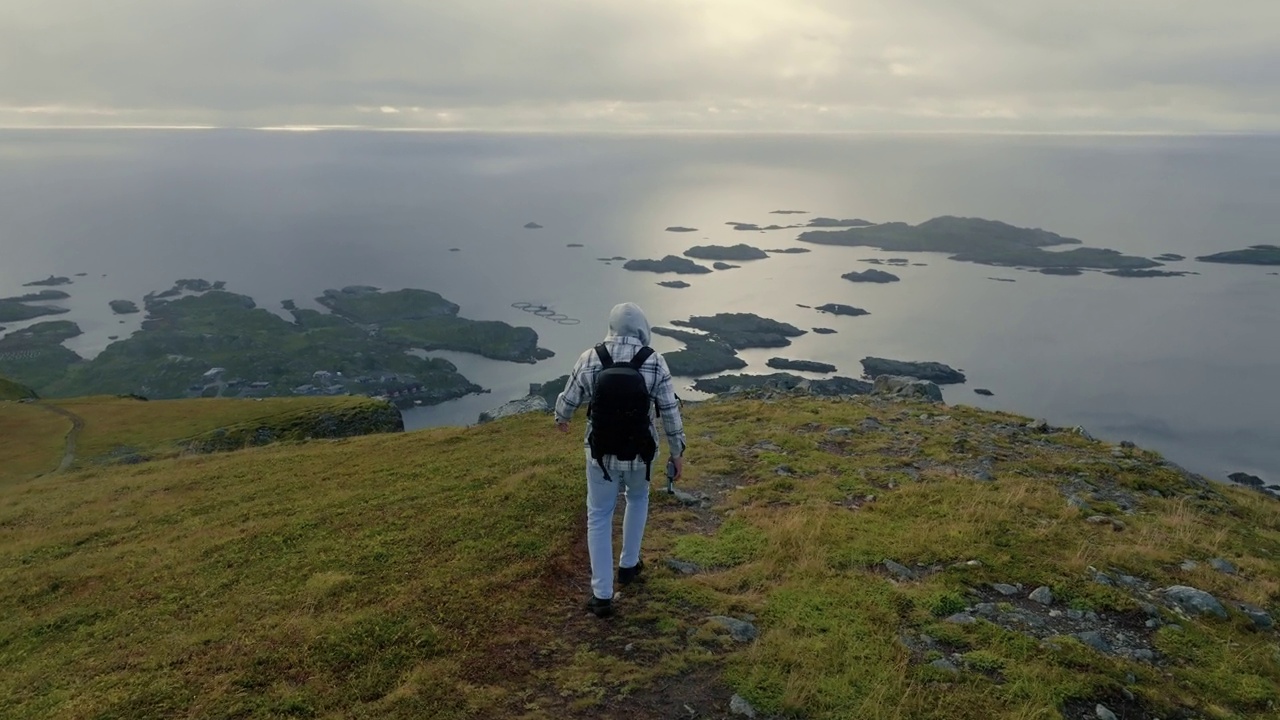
(770,65)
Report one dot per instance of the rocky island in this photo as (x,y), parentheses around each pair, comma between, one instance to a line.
(15,310)
(783,382)
(1170,257)
(824,331)
(676,284)
(778,363)
(42,296)
(976,240)
(1064,271)
(825,222)
(738,252)
(724,266)
(743,330)
(123,307)
(681,229)
(1253,255)
(1130,273)
(932,371)
(871,276)
(35,356)
(702,354)
(532,226)
(50,281)
(788,251)
(840,309)
(669,264)
(788,212)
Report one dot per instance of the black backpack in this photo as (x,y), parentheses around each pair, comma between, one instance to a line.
(619,412)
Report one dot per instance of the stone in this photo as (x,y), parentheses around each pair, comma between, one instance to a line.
(945,665)
(1040,426)
(682,567)
(739,630)
(1079,503)
(1004,589)
(962,619)
(1075,614)
(1194,601)
(1189,565)
(1129,581)
(1102,578)
(985,609)
(1261,620)
(1103,713)
(1095,640)
(902,572)
(687,498)
(529,404)
(738,705)
(840,432)
(1246,479)
(1144,655)
(1153,623)
(907,387)
(784,470)
(871,424)
(1222,566)
(1127,445)
(983,392)
(1042,595)
(1079,430)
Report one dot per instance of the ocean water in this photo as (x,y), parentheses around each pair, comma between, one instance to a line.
(1186,366)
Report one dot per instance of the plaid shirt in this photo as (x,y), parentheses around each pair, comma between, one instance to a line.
(661,389)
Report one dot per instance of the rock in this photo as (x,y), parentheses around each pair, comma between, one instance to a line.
(945,665)
(1116,525)
(687,498)
(932,371)
(1246,479)
(1079,503)
(1079,430)
(1261,620)
(1194,601)
(1074,614)
(1144,655)
(1127,445)
(724,266)
(784,471)
(1101,578)
(1103,713)
(871,276)
(902,572)
(1004,589)
(1189,565)
(738,252)
(739,630)
(813,366)
(907,387)
(677,284)
(839,309)
(824,331)
(962,619)
(840,432)
(1095,640)
(1042,595)
(983,391)
(1222,566)
(738,705)
(528,404)
(532,226)
(870,424)
(1039,426)
(682,567)
(985,609)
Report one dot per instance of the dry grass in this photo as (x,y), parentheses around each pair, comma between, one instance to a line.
(31,440)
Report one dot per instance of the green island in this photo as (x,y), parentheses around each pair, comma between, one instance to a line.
(198,340)
(782,381)
(779,363)
(936,372)
(43,295)
(871,276)
(842,309)
(701,355)
(123,307)
(1253,255)
(824,558)
(668,264)
(14,310)
(675,284)
(51,281)
(988,242)
(741,251)
(743,330)
(825,222)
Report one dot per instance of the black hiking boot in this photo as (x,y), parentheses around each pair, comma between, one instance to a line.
(626,576)
(600,608)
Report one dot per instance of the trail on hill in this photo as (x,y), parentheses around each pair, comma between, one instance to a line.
(77,425)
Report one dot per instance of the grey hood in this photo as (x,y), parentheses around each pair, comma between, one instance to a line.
(628,320)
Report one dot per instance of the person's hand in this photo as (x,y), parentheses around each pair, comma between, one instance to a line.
(563,427)
(679,463)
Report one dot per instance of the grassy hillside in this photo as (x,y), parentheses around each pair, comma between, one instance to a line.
(439,574)
(31,440)
(10,390)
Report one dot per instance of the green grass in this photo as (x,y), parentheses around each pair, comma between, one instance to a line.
(31,440)
(10,390)
(439,574)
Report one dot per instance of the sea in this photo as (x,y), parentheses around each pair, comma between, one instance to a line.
(1187,366)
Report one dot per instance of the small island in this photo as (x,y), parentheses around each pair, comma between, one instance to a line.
(737,252)
(778,363)
(1146,273)
(668,264)
(839,309)
(789,251)
(939,373)
(788,212)
(1004,280)
(574,245)
(744,226)
(702,354)
(824,331)
(744,330)
(123,307)
(532,226)
(50,281)
(976,240)
(1254,255)
(43,295)
(681,229)
(782,381)
(1170,257)
(825,222)
(724,266)
(677,284)
(983,391)
(12,310)
(871,276)
(1065,271)
(616,258)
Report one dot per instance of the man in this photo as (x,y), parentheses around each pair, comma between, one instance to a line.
(613,465)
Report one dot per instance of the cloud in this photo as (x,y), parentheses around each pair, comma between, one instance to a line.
(714,64)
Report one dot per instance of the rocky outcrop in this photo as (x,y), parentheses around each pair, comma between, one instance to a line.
(677,284)
(907,387)
(932,371)
(738,252)
(367,418)
(839,309)
(871,276)
(778,363)
(527,404)
(668,264)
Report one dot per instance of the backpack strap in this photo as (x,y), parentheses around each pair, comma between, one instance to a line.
(641,357)
(605,358)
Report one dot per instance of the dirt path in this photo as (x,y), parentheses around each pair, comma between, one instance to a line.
(77,425)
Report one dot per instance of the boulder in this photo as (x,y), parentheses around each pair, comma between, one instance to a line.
(528,404)
(739,630)
(907,387)
(1194,601)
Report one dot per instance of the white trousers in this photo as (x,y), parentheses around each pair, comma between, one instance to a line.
(602,497)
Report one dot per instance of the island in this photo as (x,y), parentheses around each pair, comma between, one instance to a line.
(1253,255)
(874,367)
(532,226)
(724,266)
(616,258)
(14,310)
(840,309)
(702,354)
(743,330)
(824,331)
(1129,273)
(825,222)
(782,381)
(217,343)
(574,245)
(778,363)
(1000,279)
(681,229)
(41,296)
(50,281)
(738,252)
(744,226)
(677,284)
(668,264)
(454,249)
(871,276)
(976,240)
(788,212)
(125,307)
(1170,257)
(983,391)
(789,251)
(1067,271)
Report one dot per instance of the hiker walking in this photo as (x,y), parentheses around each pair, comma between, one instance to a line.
(622,380)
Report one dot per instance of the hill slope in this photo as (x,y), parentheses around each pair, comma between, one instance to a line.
(440,574)
(10,390)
